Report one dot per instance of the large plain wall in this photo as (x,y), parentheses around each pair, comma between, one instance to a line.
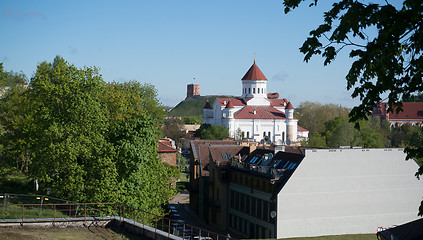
(347,191)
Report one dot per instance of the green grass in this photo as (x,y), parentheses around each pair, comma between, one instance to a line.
(192,107)
(339,237)
(14,181)
(15,212)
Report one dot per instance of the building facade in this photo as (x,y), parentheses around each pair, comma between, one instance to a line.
(412,113)
(278,192)
(256,114)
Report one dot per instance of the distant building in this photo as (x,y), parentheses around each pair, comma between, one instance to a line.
(167,151)
(193,90)
(256,114)
(256,191)
(412,113)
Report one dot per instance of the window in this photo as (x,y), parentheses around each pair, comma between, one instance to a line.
(249,90)
(248,134)
(269,135)
(254,90)
(264,134)
(283,136)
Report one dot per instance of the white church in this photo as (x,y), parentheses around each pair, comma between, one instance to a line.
(256,114)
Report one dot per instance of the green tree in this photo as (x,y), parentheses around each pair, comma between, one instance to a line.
(71,156)
(143,178)
(174,129)
(317,140)
(387,61)
(15,124)
(207,131)
(191,120)
(312,116)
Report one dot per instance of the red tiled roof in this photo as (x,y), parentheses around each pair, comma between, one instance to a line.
(165,146)
(410,111)
(262,112)
(301,129)
(235,101)
(273,95)
(289,106)
(230,105)
(278,102)
(254,73)
(207,106)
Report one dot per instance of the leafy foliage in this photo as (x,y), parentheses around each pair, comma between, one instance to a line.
(207,131)
(340,132)
(312,116)
(173,128)
(86,140)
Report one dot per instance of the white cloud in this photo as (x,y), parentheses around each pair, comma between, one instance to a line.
(280,76)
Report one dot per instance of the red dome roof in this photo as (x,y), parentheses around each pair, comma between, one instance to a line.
(289,106)
(230,105)
(254,73)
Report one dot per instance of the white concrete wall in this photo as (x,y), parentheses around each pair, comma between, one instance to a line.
(347,191)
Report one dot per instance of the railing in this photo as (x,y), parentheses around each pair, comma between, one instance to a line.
(21,213)
(266,170)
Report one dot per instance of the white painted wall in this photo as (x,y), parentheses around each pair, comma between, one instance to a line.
(347,191)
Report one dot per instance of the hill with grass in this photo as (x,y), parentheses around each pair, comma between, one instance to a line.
(193,107)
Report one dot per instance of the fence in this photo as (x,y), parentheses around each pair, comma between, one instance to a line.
(53,212)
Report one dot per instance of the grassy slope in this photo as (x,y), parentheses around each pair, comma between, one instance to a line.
(192,107)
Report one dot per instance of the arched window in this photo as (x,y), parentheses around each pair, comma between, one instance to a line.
(254,90)
(248,134)
(264,134)
(268,135)
(283,136)
(249,90)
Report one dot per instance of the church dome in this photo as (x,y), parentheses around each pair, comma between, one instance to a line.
(254,73)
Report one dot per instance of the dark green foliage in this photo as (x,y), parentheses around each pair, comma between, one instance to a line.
(207,131)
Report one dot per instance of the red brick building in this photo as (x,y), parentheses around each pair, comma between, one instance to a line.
(167,151)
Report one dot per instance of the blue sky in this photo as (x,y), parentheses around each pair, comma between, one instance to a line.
(169,43)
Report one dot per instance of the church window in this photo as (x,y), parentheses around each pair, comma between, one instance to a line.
(254,90)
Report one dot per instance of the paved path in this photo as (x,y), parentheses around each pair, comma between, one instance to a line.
(181,204)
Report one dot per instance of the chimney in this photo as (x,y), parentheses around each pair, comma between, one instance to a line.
(252,147)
